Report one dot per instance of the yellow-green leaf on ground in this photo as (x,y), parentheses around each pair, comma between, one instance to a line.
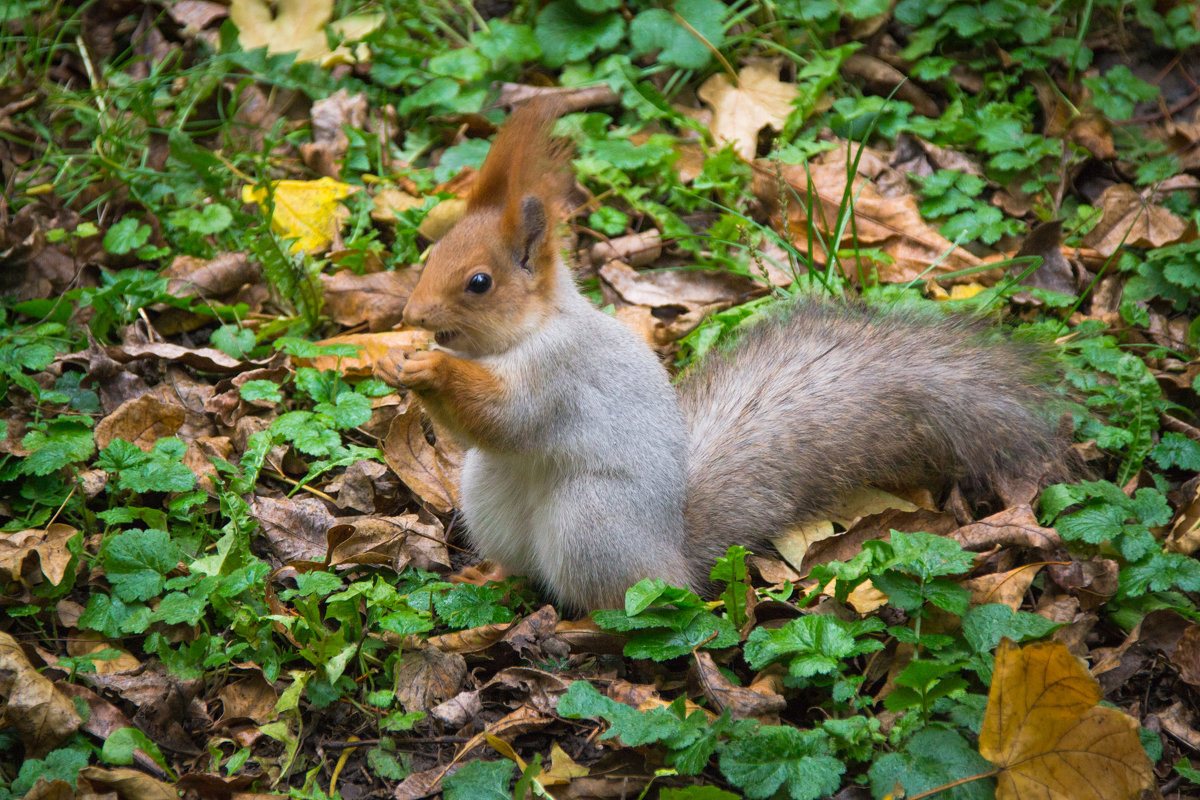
(298,26)
(309,212)
(1051,741)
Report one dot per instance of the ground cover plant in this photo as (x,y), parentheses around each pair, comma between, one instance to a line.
(226,547)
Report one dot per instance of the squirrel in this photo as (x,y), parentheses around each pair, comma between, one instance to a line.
(588,471)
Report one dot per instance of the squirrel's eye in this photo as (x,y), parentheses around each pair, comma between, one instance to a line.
(479,283)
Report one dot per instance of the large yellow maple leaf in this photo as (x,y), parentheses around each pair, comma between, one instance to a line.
(298,26)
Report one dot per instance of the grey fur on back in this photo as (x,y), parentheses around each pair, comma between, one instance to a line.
(829,396)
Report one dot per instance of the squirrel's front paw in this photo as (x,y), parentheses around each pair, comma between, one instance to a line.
(425,370)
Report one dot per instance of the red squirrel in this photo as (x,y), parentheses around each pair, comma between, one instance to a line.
(588,471)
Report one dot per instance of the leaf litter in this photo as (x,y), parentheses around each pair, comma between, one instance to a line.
(232,561)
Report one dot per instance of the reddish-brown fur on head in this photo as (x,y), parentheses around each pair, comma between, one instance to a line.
(507,237)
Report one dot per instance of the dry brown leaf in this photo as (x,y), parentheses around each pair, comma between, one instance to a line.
(50,790)
(127,784)
(761,700)
(863,502)
(1130,220)
(683,287)
(1051,741)
(252,697)
(295,527)
(41,715)
(85,643)
(892,224)
(376,299)
(28,554)
(372,347)
(189,276)
(442,217)
(1187,655)
(760,100)
(1012,527)
(1002,587)
(573,98)
(104,718)
(389,203)
(142,421)
(427,676)
(1185,533)
(430,471)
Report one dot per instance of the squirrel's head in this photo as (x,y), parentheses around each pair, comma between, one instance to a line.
(492,279)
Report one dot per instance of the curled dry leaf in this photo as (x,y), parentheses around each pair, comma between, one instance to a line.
(1044,731)
(50,790)
(372,348)
(104,718)
(1012,527)
(41,715)
(295,527)
(1185,533)
(430,471)
(128,784)
(760,100)
(688,288)
(377,298)
(1130,220)
(760,700)
(863,502)
(189,276)
(892,224)
(1160,631)
(28,554)
(1187,655)
(142,421)
(1002,587)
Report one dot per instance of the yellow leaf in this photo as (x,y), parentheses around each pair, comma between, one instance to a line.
(298,26)
(307,211)
(1051,741)
(759,100)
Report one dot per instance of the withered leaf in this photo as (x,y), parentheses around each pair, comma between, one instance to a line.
(427,676)
(26,553)
(760,100)
(1132,221)
(142,421)
(41,715)
(1042,727)
(431,472)
(376,299)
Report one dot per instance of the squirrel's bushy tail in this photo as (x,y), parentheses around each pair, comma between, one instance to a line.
(829,396)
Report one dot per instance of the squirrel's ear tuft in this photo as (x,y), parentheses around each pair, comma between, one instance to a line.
(531,235)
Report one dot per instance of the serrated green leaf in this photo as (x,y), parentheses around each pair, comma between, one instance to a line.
(260,391)
(63,442)
(984,626)
(658,29)
(1175,450)
(933,757)
(469,606)
(179,608)
(814,644)
(135,562)
(778,755)
(480,780)
(566,32)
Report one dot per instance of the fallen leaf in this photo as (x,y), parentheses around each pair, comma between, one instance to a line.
(41,715)
(427,676)
(310,212)
(189,276)
(128,784)
(298,26)
(372,347)
(1044,731)
(1129,220)
(430,471)
(141,421)
(863,502)
(49,546)
(1187,655)
(761,700)
(760,100)
(377,299)
(1013,527)
(890,223)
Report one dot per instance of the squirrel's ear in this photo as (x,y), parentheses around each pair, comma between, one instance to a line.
(530,234)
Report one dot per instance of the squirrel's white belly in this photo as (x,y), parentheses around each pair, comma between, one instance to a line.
(508,504)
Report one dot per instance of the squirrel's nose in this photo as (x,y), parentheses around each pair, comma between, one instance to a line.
(414,315)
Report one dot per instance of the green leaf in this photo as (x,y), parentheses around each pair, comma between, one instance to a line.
(1175,450)
(865,9)
(480,780)
(63,441)
(260,391)
(984,626)
(233,340)
(508,43)
(932,758)
(178,608)
(702,629)
(926,555)
(814,644)
(635,728)
(126,236)
(697,793)
(607,220)
(120,745)
(658,29)
(1093,524)
(778,755)
(349,410)
(469,606)
(568,33)
(135,562)
(59,765)
(469,153)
